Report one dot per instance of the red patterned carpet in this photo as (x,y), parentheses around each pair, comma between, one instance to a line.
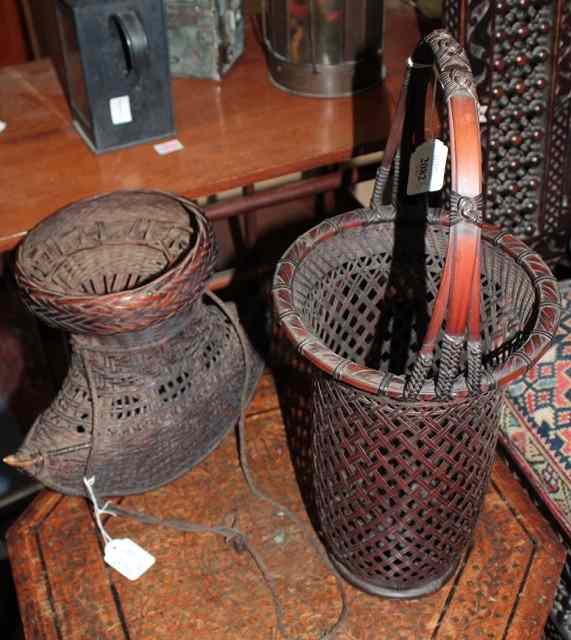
(536,421)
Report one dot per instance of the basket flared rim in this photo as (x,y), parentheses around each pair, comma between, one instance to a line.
(545,323)
(181,262)
(201,253)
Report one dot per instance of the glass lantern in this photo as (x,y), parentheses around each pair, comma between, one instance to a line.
(324,47)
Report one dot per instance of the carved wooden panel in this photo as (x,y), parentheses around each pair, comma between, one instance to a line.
(520,51)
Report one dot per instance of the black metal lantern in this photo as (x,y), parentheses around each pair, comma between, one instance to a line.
(116,70)
(324,47)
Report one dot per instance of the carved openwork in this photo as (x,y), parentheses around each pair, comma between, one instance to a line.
(520,53)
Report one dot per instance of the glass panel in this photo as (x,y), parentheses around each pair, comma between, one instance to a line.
(299,30)
(329,29)
(315,31)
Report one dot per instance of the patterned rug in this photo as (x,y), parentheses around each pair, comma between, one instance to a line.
(536,421)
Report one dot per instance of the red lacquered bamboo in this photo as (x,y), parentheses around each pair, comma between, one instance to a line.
(459,291)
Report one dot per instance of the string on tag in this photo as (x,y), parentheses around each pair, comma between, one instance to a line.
(122,554)
(430,131)
(431,120)
(411,64)
(97,511)
(232,535)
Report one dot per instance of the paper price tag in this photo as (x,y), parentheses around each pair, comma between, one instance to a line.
(427,167)
(128,558)
(483,113)
(120,109)
(170,146)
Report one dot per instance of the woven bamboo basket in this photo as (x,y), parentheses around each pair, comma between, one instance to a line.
(410,320)
(156,370)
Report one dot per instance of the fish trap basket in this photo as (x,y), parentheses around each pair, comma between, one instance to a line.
(411,326)
(156,369)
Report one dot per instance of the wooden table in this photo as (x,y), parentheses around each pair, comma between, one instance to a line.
(201,588)
(234,133)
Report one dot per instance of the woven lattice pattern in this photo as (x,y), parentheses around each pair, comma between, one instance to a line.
(415,320)
(368,294)
(396,485)
(399,485)
(294,377)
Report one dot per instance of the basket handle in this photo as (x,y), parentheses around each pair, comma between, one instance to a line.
(458,298)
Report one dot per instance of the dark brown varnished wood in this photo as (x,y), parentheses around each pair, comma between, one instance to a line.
(200,588)
(15,49)
(521,56)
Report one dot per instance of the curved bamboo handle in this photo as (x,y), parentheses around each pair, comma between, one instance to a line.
(458,298)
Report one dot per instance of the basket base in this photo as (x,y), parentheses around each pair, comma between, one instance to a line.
(386,592)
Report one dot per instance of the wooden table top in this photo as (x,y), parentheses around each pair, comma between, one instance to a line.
(201,588)
(234,133)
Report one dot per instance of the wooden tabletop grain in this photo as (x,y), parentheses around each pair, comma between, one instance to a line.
(234,133)
(201,588)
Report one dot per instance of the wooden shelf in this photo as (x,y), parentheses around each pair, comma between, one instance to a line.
(234,133)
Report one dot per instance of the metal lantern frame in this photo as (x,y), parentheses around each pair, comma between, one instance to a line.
(324,48)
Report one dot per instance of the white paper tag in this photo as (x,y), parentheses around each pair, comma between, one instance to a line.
(120,109)
(427,167)
(230,18)
(483,113)
(164,148)
(128,558)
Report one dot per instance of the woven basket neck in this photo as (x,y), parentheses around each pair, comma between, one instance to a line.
(151,336)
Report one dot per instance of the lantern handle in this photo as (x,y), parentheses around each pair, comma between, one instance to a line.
(134,38)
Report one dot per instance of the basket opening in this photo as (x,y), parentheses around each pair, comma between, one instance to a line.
(108,245)
(372,305)
(118,257)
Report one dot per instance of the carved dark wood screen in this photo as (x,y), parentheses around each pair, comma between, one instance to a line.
(520,52)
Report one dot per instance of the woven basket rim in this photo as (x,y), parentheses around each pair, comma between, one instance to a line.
(184,261)
(374,381)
